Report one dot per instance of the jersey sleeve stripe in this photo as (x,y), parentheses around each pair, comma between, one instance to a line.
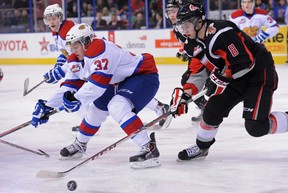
(76,84)
(100,79)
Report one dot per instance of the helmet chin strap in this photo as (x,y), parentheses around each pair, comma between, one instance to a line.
(197,22)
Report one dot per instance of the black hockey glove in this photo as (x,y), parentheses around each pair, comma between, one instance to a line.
(178,104)
(216,83)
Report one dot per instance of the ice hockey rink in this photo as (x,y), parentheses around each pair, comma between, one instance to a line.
(237,162)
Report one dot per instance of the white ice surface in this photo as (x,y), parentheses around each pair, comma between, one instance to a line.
(236,163)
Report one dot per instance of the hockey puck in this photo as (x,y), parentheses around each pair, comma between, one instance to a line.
(72,185)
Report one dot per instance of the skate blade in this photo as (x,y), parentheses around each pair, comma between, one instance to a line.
(195,159)
(150,163)
(75,156)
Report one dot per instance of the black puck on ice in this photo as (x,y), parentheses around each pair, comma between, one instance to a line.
(72,185)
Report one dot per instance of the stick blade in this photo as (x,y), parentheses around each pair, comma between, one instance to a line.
(49,174)
(26,84)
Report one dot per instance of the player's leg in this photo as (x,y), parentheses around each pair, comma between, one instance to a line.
(143,88)
(95,116)
(217,107)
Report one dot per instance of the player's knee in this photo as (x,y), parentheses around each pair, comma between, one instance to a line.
(211,118)
(257,128)
(118,107)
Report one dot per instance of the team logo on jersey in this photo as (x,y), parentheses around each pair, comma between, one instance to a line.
(270,20)
(243,20)
(75,68)
(233,50)
(211,29)
(197,50)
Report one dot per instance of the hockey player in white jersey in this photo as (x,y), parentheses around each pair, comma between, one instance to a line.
(119,83)
(251,20)
(54,18)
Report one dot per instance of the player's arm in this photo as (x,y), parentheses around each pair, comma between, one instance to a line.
(271,30)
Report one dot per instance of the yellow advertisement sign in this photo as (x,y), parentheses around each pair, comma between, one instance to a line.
(278,46)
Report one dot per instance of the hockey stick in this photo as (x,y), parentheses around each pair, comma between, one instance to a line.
(23,125)
(41,152)
(26,85)
(51,174)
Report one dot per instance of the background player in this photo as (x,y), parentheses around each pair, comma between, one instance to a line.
(251,20)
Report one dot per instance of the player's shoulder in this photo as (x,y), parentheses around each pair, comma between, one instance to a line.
(260,11)
(237,13)
(96,48)
(66,26)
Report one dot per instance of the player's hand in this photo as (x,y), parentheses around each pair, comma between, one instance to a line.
(60,60)
(178,104)
(54,75)
(216,83)
(70,103)
(261,37)
(39,114)
(182,55)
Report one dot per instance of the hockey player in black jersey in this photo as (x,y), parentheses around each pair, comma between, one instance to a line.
(241,71)
(190,79)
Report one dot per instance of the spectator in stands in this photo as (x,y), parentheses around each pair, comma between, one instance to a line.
(16,22)
(99,23)
(73,10)
(286,15)
(137,5)
(25,20)
(140,22)
(100,4)
(106,12)
(114,22)
(280,10)
(111,3)
(262,5)
(159,21)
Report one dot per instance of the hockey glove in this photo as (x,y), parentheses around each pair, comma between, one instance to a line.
(54,75)
(261,37)
(216,83)
(60,61)
(178,104)
(182,55)
(70,103)
(39,114)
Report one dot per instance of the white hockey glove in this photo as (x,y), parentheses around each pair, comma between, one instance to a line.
(216,83)
(178,104)
(261,37)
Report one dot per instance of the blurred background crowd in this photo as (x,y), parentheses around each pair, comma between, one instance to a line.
(27,15)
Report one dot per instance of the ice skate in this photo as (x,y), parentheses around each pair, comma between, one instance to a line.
(147,157)
(73,151)
(162,109)
(192,153)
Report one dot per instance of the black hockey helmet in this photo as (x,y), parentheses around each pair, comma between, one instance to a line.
(171,4)
(190,12)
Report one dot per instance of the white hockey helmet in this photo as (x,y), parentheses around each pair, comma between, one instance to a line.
(80,32)
(51,10)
